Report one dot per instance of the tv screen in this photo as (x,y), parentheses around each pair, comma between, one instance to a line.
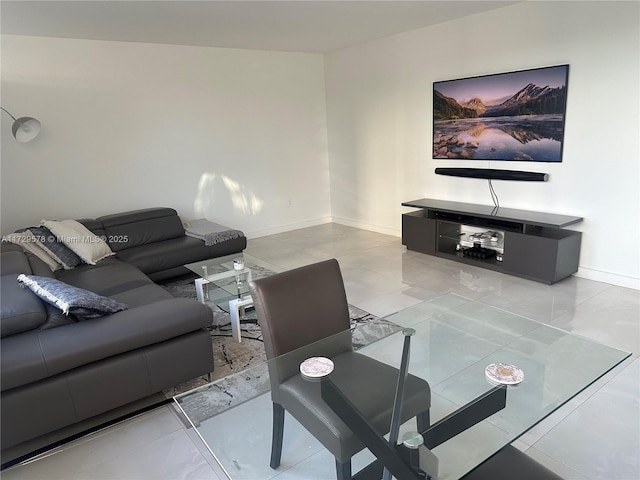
(516,116)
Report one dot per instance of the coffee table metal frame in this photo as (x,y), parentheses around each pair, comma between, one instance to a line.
(236,305)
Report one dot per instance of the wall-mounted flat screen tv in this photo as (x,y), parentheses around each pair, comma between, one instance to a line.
(516,116)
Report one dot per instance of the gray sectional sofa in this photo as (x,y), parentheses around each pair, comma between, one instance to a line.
(60,373)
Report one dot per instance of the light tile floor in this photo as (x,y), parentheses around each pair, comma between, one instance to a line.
(595,436)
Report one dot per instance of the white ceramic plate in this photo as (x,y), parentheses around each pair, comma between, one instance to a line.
(504,374)
(316,367)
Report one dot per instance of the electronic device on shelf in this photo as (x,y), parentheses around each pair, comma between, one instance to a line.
(484,237)
(479,252)
(479,243)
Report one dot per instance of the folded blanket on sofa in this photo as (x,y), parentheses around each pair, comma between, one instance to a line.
(212,233)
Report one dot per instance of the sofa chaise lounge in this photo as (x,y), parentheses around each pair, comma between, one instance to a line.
(62,374)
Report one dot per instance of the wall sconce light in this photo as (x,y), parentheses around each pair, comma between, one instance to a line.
(24,129)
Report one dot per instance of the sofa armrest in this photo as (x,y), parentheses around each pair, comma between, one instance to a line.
(44,353)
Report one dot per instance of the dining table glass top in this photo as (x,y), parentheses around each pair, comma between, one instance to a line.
(455,340)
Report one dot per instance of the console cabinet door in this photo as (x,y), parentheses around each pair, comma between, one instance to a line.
(419,232)
(529,256)
(547,258)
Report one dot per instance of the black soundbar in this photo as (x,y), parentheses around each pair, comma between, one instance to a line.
(491,174)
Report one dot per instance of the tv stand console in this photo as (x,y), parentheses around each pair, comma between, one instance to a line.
(532,245)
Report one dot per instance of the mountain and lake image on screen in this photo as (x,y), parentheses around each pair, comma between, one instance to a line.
(509,116)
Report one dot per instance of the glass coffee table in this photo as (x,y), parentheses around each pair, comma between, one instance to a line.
(451,349)
(225,281)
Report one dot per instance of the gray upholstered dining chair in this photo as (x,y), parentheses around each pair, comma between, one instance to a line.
(298,307)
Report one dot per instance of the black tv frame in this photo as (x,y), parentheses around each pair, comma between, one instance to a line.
(520,113)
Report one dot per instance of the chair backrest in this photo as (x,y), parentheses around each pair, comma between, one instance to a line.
(300,306)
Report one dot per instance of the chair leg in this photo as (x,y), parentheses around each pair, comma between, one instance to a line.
(343,470)
(423,421)
(278,432)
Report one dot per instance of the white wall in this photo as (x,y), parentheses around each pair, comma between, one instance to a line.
(379,109)
(236,136)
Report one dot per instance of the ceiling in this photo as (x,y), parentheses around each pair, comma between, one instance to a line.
(297,26)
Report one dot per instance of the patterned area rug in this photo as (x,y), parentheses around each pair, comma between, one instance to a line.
(230,357)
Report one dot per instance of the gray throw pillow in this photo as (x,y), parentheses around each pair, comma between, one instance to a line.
(58,250)
(71,300)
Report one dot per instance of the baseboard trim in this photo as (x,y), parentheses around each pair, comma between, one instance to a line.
(608,277)
(367,226)
(288,227)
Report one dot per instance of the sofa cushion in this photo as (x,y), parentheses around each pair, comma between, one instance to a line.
(28,243)
(142,295)
(77,301)
(160,256)
(87,245)
(10,247)
(14,262)
(109,278)
(23,312)
(140,227)
(55,317)
(44,353)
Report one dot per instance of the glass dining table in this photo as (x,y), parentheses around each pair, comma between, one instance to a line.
(451,348)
